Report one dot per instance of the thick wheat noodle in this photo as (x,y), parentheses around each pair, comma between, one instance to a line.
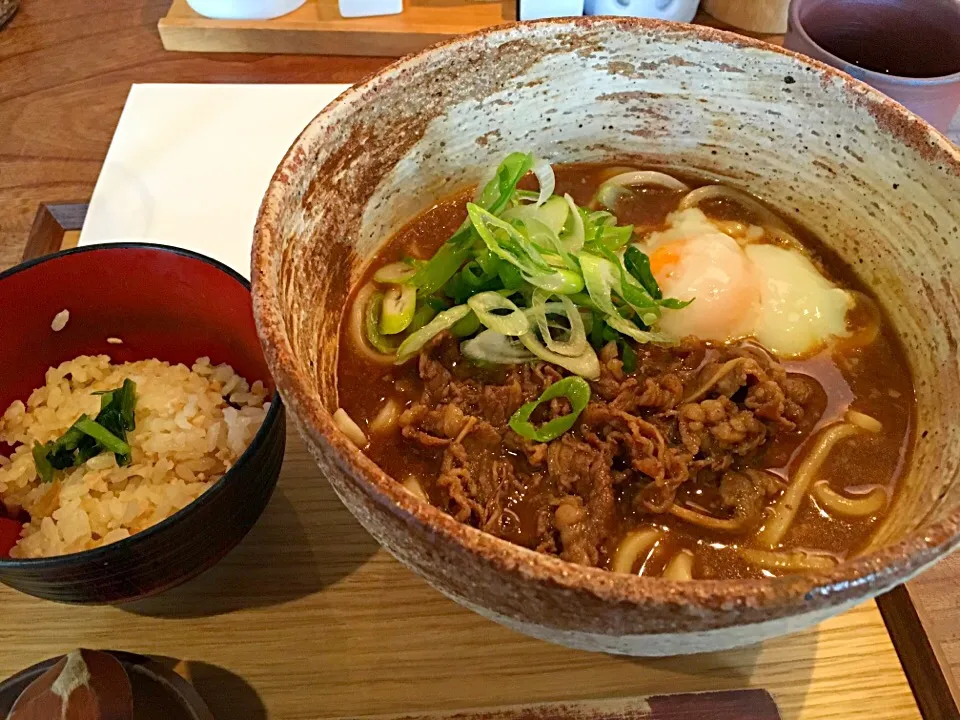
(706,521)
(632,546)
(785,509)
(838,504)
(782,237)
(632,178)
(788,561)
(864,421)
(721,192)
(412,485)
(648,177)
(680,567)
(717,376)
(386,419)
(866,335)
(356,327)
(350,428)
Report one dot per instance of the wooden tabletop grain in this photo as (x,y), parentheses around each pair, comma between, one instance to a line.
(66,67)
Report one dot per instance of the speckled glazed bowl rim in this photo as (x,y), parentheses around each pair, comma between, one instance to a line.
(208,496)
(860,577)
(865,74)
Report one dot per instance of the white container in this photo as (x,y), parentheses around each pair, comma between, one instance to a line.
(366,8)
(676,10)
(537,9)
(244,9)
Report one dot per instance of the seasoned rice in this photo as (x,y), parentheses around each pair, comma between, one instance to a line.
(191,426)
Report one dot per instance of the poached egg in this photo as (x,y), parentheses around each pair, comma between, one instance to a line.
(771,293)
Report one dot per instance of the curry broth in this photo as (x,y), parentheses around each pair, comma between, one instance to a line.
(874,380)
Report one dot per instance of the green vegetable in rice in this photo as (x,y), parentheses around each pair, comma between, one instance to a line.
(88,438)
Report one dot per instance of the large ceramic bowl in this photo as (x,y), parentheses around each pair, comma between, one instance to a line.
(875,181)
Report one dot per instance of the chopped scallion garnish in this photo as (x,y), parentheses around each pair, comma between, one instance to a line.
(574,389)
(528,275)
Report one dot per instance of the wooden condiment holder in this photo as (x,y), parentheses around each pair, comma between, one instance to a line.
(759,16)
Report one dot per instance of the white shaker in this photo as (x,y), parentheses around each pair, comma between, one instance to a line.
(676,10)
(368,8)
(244,9)
(538,9)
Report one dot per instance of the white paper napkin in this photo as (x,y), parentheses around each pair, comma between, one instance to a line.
(189,164)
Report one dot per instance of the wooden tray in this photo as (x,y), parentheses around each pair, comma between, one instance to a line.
(317,28)
(307,618)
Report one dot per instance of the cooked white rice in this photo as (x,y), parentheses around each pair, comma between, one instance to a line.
(191,426)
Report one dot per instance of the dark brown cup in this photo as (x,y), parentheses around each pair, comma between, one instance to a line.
(907,49)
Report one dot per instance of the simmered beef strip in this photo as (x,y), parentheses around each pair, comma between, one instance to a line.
(691,417)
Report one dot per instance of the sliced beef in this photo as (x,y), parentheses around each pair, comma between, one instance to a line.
(688,416)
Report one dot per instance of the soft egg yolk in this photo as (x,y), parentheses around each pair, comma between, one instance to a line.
(711,269)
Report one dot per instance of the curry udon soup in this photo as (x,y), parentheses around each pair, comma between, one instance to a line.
(629,370)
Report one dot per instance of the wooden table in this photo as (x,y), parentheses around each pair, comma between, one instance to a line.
(65,69)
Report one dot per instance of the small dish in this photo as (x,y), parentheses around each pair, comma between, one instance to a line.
(162,303)
(158,692)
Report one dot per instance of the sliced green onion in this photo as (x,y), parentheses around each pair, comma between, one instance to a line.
(625,327)
(511,277)
(583,300)
(514,322)
(629,358)
(586,365)
(497,193)
(395,273)
(575,389)
(372,325)
(602,218)
(562,282)
(465,326)
(550,244)
(632,292)
(435,273)
(508,243)
(599,278)
(444,321)
(436,304)
(398,306)
(488,262)
(553,213)
(548,181)
(574,240)
(497,348)
(576,342)
(614,238)
(421,317)
(475,277)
